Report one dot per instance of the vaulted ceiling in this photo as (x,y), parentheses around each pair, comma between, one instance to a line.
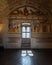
(7,6)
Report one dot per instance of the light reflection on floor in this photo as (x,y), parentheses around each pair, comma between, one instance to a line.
(29,52)
(26,53)
(26,60)
(23,53)
(26,57)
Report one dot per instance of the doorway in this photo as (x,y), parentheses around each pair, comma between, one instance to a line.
(26,35)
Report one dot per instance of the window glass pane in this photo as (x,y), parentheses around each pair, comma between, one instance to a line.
(23,35)
(23,29)
(27,35)
(28,29)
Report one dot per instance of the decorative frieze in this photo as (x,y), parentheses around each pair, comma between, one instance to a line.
(42,28)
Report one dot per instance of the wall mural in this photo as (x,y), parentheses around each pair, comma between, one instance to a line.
(13,26)
(44,28)
(28,10)
(39,27)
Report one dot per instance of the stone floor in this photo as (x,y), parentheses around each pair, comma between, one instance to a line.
(13,57)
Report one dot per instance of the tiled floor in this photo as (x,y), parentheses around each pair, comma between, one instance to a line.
(13,57)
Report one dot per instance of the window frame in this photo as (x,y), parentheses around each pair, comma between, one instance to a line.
(26,32)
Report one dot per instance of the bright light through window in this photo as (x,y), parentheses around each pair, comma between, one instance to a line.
(23,35)
(28,29)
(23,29)
(26,33)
